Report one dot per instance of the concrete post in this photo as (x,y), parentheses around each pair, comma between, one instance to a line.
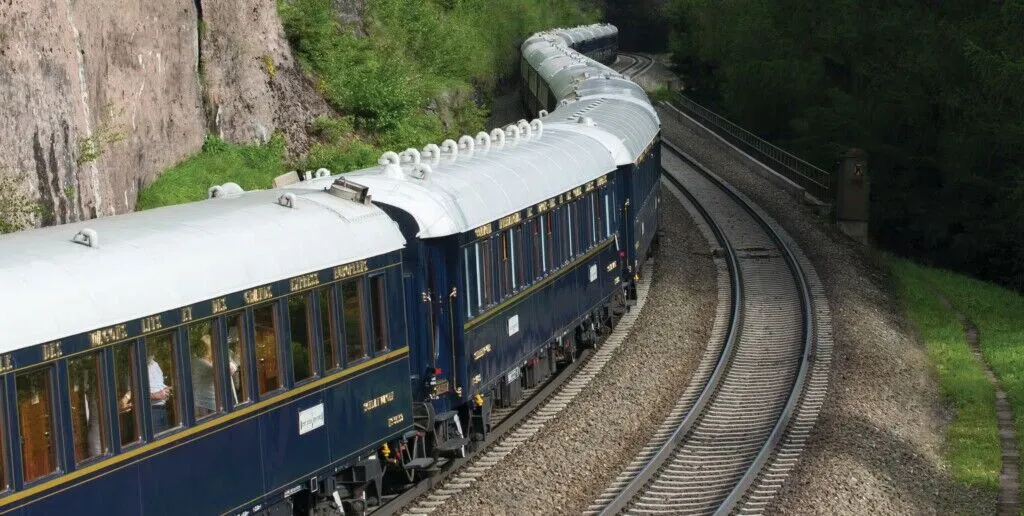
(852,195)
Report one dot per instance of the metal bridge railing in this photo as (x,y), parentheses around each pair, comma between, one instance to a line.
(815,180)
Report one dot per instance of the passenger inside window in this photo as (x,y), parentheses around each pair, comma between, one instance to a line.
(89,430)
(205,393)
(162,366)
(35,417)
(238,366)
(268,377)
(299,315)
(125,385)
(352,294)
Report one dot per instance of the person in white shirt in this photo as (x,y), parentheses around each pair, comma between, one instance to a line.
(159,393)
(202,378)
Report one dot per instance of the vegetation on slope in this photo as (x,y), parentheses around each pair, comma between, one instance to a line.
(423,72)
(972,445)
(934,91)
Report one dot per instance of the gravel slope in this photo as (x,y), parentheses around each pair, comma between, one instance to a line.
(877,446)
(566,465)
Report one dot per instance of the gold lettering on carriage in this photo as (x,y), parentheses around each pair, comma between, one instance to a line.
(509,220)
(379,401)
(219,305)
(577,192)
(258,294)
(108,335)
(603,180)
(186,314)
(6,364)
(52,351)
(480,353)
(590,186)
(152,323)
(350,269)
(304,282)
(396,419)
(482,231)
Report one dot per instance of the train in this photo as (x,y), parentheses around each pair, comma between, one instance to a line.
(309,348)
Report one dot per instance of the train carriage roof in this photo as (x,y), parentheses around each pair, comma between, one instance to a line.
(470,190)
(152,261)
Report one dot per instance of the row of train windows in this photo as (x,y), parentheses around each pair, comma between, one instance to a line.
(500,266)
(220,364)
(646,177)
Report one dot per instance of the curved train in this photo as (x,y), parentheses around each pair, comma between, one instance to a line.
(304,349)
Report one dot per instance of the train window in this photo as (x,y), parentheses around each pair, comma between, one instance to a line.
(519,257)
(596,205)
(506,263)
(607,218)
(162,366)
(570,230)
(88,426)
(206,396)
(549,245)
(468,291)
(300,312)
(484,249)
(35,415)
(379,313)
(126,385)
(539,255)
(352,299)
(238,363)
(327,328)
(268,374)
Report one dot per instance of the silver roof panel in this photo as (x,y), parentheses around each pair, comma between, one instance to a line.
(157,260)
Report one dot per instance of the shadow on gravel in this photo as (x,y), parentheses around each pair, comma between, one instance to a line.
(917,479)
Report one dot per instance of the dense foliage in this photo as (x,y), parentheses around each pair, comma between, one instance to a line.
(934,91)
(415,72)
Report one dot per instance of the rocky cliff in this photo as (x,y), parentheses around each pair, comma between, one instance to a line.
(100,96)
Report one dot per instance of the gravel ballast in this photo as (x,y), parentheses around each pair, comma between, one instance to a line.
(877,445)
(566,465)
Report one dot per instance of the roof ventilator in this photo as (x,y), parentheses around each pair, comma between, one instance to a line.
(466,143)
(410,155)
(432,152)
(287,199)
(498,137)
(87,237)
(321,173)
(513,132)
(390,165)
(586,120)
(350,191)
(449,146)
(538,127)
(483,140)
(542,113)
(525,129)
(224,191)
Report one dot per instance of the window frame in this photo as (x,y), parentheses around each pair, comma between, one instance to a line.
(359,282)
(102,406)
(251,343)
(57,442)
(372,313)
(173,380)
(332,340)
(312,343)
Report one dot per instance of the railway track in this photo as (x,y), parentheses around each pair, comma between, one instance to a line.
(518,424)
(638,64)
(733,437)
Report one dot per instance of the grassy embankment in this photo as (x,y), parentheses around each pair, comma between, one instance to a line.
(423,73)
(973,440)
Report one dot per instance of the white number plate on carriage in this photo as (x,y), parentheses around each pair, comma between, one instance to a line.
(311,418)
(593,273)
(513,325)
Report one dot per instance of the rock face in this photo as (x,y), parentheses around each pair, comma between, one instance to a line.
(252,82)
(101,96)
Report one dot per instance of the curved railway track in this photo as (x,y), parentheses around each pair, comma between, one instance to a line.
(736,433)
(638,63)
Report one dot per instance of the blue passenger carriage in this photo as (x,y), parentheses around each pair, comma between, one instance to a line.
(241,354)
(513,261)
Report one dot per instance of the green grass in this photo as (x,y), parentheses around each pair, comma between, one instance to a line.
(423,72)
(972,445)
(251,166)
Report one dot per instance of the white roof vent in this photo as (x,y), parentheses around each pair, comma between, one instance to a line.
(87,237)
(586,120)
(224,191)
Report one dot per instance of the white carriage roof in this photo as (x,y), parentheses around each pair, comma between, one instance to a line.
(157,260)
(471,190)
(590,89)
